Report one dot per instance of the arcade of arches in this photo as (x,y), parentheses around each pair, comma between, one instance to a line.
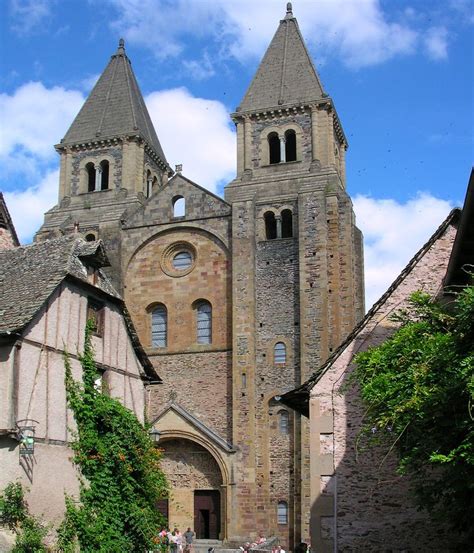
(196,485)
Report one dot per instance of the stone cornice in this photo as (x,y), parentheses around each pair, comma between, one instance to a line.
(99,144)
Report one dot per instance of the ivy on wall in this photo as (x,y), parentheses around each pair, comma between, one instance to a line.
(121,479)
(418,387)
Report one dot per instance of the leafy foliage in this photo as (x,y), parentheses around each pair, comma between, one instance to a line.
(121,471)
(14,514)
(419,389)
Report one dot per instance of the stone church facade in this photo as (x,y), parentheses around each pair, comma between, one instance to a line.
(237,300)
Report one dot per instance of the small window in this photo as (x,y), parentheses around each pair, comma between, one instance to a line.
(279,353)
(204,322)
(159,327)
(95,314)
(182,261)
(90,237)
(179,206)
(282,513)
(270,225)
(274,148)
(290,145)
(90,170)
(286,223)
(284,422)
(104,179)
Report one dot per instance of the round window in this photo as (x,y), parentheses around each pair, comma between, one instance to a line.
(182,261)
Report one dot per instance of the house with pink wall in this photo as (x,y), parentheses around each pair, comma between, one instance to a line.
(48,291)
(358,501)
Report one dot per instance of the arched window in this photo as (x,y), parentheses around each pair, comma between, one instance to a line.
(159,326)
(90,237)
(148,184)
(290,145)
(282,512)
(286,223)
(279,353)
(274,147)
(90,170)
(270,225)
(179,206)
(104,182)
(204,322)
(284,422)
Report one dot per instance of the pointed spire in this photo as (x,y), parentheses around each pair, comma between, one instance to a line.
(286,75)
(115,108)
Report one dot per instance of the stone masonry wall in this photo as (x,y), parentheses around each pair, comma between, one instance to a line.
(374,511)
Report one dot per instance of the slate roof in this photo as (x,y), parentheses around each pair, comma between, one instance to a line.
(30,274)
(286,74)
(298,399)
(114,108)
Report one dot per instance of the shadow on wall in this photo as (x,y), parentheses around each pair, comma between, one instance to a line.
(363,505)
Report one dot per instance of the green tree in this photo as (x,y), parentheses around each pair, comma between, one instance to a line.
(418,387)
(120,468)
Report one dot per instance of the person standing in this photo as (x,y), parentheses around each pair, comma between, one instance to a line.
(188,537)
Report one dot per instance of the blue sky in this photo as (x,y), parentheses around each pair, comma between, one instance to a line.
(400,73)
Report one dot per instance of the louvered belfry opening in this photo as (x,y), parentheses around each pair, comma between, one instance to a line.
(286,223)
(290,145)
(104,182)
(90,169)
(270,225)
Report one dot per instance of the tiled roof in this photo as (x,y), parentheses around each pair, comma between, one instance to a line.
(30,274)
(286,75)
(115,108)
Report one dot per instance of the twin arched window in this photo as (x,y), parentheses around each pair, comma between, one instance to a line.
(159,324)
(278,226)
(282,148)
(97,177)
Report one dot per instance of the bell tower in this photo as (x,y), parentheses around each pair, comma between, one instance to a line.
(297,273)
(111,160)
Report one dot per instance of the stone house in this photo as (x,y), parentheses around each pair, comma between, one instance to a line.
(48,291)
(234,299)
(357,502)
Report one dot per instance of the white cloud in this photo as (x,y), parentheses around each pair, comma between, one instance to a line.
(29,15)
(200,69)
(27,207)
(34,118)
(359,32)
(393,233)
(195,132)
(436,43)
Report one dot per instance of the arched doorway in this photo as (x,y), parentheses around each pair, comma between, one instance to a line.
(196,485)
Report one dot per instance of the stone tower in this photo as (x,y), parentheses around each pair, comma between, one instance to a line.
(236,301)
(111,161)
(297,283)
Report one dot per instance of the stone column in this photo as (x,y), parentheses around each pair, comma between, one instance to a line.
(282,150)
(149,187)
(98,178)
(278,225)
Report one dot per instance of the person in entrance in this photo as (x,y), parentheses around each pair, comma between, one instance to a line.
(188,541)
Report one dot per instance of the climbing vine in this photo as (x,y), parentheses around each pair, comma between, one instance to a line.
(121,479)
(15,515)
(418,387)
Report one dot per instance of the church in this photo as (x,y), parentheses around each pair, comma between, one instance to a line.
(236,300)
